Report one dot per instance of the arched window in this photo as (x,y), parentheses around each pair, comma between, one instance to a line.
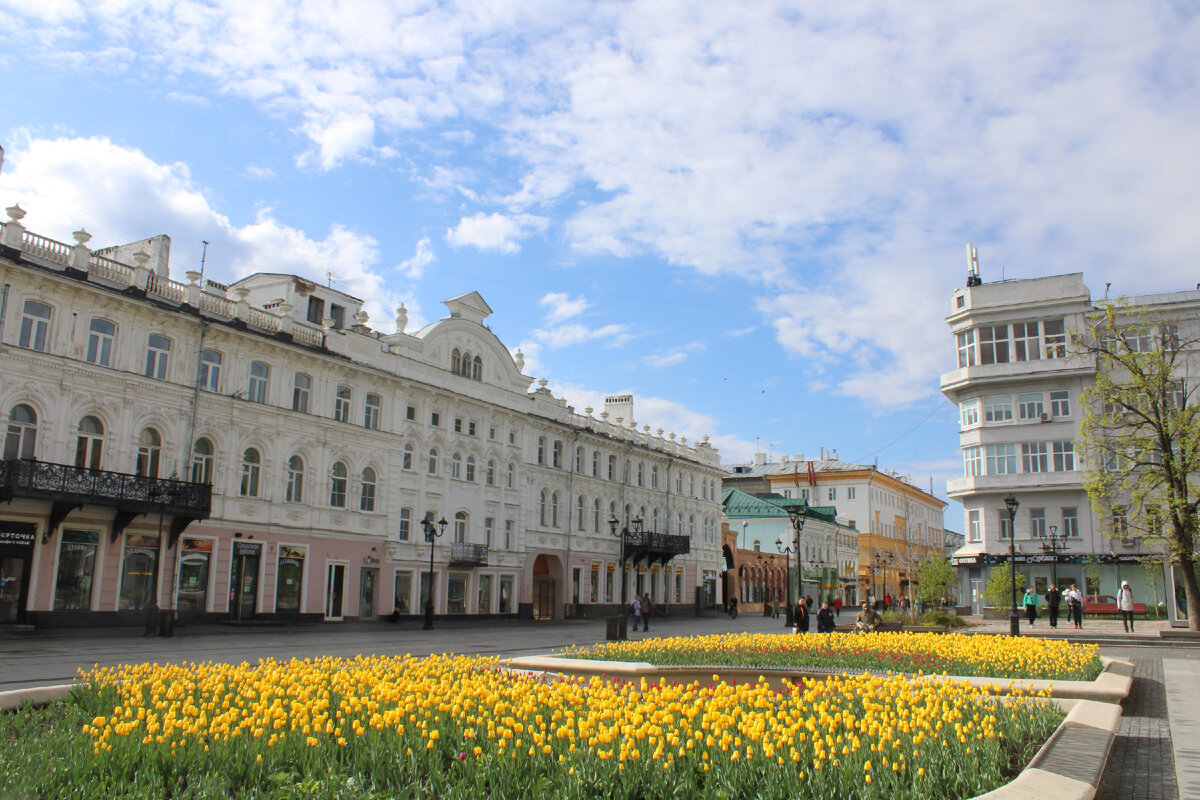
(465,370)
(433,456)
(158,349)
(260,376)
(477,368)
(35,325)
(341,404)
(367,497)
(456,466)
(654,518)
(557,454)
(100,341)
(337,485)
(460,527)
(22,433)
(595,463)
(251,466)
(653,476)
(692,526)
(471,469)
(149,451)
(294,493)
(542,503)
(554,510)
(406,461)
(580,520)
(371,411)
(455,361)
(628,513)
(202,461)
(512,473)
(596,515)
(490,474)
(89,443)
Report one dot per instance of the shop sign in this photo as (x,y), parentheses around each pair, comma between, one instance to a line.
(245,549)
(17,534)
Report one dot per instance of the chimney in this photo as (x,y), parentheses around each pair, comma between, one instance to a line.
(799,457)
(783,458)
(760,459)
(834,458)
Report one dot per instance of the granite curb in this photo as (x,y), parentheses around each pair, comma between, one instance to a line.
(39,696)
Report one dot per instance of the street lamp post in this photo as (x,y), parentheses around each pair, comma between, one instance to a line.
(787,579)
(814,564)
(1014,622)
(798,516)
(431,535)
(881,564)
(1054,545)
(620,632)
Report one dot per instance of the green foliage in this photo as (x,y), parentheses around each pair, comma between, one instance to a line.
(936,576)
(938,617)
(999,589)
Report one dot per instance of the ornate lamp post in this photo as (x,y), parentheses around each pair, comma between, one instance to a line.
(1014,622)
(787,555)
(813,565)
(882,562)
(622,614)
(431,535)
(1054,545)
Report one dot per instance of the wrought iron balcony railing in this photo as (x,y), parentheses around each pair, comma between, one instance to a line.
(653,547)
(468,555)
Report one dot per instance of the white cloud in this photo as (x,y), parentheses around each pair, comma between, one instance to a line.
(127,196)
(189,99)
(563,307)
(259,173)
(414,267)
(494,231)
(566,335)
(672,356)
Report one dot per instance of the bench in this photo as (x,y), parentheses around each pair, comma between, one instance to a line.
(889,627)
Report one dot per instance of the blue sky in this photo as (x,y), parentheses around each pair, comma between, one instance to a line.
(750,215)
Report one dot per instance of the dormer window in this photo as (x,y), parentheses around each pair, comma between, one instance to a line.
(316,310)
(465,364)
(339,316)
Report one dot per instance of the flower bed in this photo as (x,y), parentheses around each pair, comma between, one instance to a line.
(452,727)
(991,656)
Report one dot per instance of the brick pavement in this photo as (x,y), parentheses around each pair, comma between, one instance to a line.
(1141,765)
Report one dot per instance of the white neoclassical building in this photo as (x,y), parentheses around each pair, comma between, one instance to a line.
(259,451)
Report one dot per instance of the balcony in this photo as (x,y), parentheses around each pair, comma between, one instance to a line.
(468,555)
(69,487)
(652,547)
(1021,481)
(1012,371)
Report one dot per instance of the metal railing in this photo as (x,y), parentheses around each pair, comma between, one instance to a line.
(42,480)
(463,554)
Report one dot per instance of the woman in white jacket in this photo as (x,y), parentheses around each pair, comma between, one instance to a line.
(1125,605)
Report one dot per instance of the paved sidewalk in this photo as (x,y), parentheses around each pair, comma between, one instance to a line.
(1093,629)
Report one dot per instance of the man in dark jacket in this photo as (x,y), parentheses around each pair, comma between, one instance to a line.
(1053,601)
(800,617)
(825,618)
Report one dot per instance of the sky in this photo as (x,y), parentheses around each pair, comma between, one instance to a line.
(750,215)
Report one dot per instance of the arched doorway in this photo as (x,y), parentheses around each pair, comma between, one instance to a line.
(544,587)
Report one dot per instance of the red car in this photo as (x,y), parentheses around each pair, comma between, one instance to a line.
(1107,604)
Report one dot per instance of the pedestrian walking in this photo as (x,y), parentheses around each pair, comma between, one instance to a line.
(646,606)
(635,608)
(1125,605)
(1053,601)
(733,608)
(837,606)
(825,622)
(800,617)
(1031,605)
(1075,605)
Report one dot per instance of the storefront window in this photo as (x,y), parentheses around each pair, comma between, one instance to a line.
(76,570)
(290,577)
(138,565)
(485,594)
(403,602)
(193,574)
(506,595)
(456,594)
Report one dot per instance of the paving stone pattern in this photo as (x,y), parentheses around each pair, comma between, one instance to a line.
(1141,764)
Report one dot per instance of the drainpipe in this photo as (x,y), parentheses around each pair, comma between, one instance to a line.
(3,310)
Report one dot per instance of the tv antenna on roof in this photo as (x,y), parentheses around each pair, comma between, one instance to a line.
(973,278)
(203,256)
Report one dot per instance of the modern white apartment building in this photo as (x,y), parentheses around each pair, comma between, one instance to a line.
(260,450)
(1018,391)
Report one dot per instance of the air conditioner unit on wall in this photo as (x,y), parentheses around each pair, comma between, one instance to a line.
(1045,417)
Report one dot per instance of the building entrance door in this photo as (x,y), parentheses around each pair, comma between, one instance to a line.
(976,596)
(16,561)
(366,603)
(335,589)
(243,581)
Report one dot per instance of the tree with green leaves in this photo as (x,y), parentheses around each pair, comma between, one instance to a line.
(1141,434)
(999,589)
(936,576)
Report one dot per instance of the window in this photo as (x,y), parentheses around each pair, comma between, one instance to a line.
(210,370)
(406,460)
(458,425)
(489,475)
(1064,456)
(970,412)
(993,344)
(202,461)
(596,515)
(612,468)
(251,466)
(1176,396)
(966,349)
(972,461)
(850,493)
(477,368)
(405,530)
(595,463)
(366,501)
(557,452)
(505,606)
(470,429)
(341,404)
(997,408)
(489,524)
(76,570)
(653,476)
(371,412)
(1026,341)
(641,474)
(316,310)
(1001,459)
(508,530)
(1029,406)
(433,458)
(1037,523)
(973,531)
(542,508)
(337,485)
(100,341)
(22,433)
(1033,457)
(89,443)
(512,471)
(301,387)
(294,493)
(456,361)
(339,316)
(1055,338)
(1120,524)
(149,451)
(1070,522)
(460,527)
(1060,404)
(541,450)
(492,434)
(1140,341)
(579,459)
(410,413)
(158,348)
(1005,524)
(580,506)
(832,495)
(35,325)
(434,419)
(260,373)
(471,468)
(456,466)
